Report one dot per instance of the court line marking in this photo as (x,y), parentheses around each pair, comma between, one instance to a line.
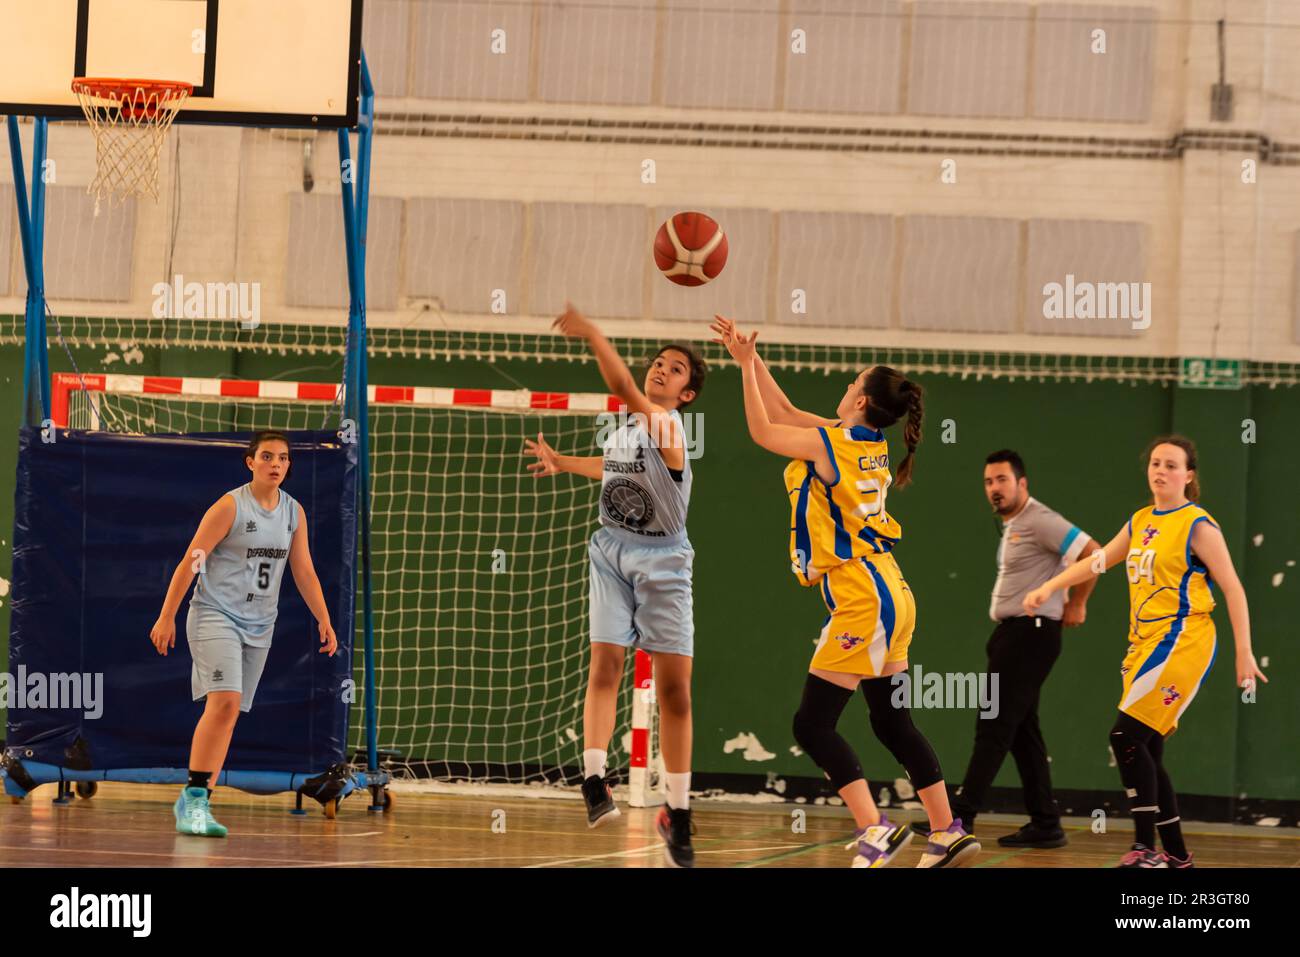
(331,832)
(998,858)
(732,839)
(656,846)
(794,853)
(171,856)
(425,861)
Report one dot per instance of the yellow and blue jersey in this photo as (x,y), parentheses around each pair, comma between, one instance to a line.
(1171,633)
(846,519)
(1167,582)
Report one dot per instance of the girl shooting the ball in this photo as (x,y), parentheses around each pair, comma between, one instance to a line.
(641,564)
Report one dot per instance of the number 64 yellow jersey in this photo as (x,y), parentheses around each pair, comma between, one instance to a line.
(834,523)
(1167,583)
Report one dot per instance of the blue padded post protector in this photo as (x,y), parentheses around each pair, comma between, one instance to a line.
(101,521)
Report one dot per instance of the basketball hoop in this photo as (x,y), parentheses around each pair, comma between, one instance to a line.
(130,120)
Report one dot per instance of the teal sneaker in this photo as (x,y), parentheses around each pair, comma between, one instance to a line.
(194,815)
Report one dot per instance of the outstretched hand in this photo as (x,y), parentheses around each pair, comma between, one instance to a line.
(548,463)
(723,329)
(573,324)
(740,346)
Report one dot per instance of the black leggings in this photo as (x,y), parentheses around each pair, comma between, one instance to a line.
(819,713)
(1139,752)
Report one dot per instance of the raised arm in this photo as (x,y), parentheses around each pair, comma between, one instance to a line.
(212,529)
(1210,548)
(304,576)
(790,440)
(779,407)
(618,377)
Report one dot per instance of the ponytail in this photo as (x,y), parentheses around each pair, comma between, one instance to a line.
(892,397)
(911,433)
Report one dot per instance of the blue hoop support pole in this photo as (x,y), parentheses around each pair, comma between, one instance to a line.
(31,226)
(356,209)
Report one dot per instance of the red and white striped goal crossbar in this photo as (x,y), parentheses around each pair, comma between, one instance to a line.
(641,787)
(64,383)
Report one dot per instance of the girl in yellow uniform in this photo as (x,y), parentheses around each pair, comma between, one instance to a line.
(841,541)
(1173,551)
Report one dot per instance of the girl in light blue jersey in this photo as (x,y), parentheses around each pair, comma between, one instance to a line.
(239,554)
(641,564)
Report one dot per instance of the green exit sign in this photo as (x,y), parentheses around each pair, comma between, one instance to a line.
(1210,374)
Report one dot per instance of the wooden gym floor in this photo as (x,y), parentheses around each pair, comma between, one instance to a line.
(128,825)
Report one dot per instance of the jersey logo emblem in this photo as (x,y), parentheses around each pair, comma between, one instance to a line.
(849,642)
(217,675)
(1149,533)
(1171,694)
(627,504)
(251,526)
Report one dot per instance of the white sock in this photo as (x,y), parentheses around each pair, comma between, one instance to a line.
(679,790)
(593,763)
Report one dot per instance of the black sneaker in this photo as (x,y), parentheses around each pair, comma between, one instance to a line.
(1031,835)
(599,798)
(674,827)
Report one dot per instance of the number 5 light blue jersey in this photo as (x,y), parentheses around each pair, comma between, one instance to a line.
(241,577)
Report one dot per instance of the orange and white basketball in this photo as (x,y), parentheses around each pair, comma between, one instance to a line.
(690,249)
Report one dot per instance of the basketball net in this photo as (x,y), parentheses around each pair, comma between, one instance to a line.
(130,120)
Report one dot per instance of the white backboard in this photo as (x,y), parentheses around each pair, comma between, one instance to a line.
(290,63)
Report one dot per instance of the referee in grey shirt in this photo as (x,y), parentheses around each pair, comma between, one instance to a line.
(1036,544)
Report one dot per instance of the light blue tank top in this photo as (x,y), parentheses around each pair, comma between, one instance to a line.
(241,577)
(637,492)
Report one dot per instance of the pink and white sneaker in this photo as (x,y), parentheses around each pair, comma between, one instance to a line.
(1142,856)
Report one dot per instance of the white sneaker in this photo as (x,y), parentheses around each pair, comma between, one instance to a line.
(878,844)
(951,847)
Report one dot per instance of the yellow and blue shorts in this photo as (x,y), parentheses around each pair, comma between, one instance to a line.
(1162,673)
(872,614)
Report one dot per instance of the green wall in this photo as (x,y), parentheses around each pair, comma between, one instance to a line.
(755,626)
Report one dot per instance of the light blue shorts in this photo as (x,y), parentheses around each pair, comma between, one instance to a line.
(641,591)
(223,658)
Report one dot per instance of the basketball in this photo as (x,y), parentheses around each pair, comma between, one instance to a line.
(690,249)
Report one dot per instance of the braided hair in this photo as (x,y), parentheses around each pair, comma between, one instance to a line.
(893,396)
